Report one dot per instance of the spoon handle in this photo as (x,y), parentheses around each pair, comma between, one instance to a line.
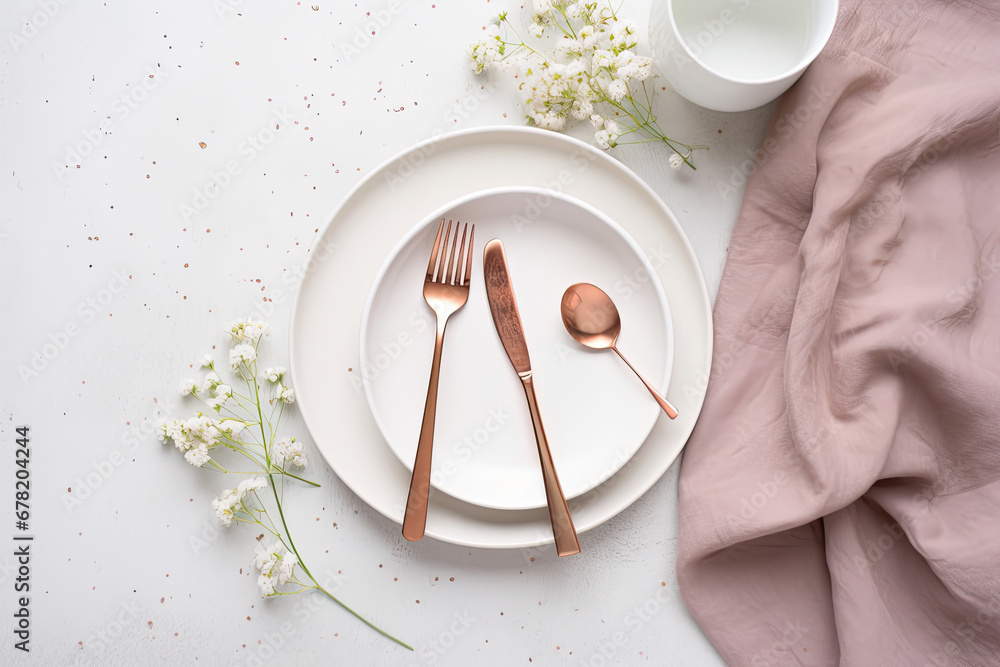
(664,403)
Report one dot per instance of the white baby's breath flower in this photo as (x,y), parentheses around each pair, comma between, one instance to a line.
(582,109)
(288,449)
(603,139)
(241,354)
(207,385)
(207,361)
(600,13)
(276,566)
(536,29)
(611,126)
(197,456)
(597,120)
(676,161)
(194,437)
(602,58)
(216,403)
(485,56)
(231,501)
(551,121)
(201,435)
(542,6)
(188,387)
(251,484)
(171,430)
(284,393)
(232,428)
(249,330)
(274,374)
(222,395)
(617,90)
(568,47)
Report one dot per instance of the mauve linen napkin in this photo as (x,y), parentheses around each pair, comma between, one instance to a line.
(840,496)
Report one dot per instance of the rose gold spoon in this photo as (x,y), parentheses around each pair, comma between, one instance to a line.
(592,319)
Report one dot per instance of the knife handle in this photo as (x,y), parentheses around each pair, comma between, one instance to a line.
(415,517)
(563,530)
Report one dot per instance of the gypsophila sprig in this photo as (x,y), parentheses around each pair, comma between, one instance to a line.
(240,420)
(590,73)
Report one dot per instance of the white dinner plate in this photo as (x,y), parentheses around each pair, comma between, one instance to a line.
(326,317)
(596,412)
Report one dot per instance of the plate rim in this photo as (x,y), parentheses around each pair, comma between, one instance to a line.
(571,143)
(483,193)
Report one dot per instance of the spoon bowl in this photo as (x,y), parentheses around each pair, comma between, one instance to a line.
(591,317)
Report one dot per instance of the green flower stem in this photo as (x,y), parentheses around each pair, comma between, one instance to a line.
(288,534)
(327,593)
(356,614)
(294,476)
(240,449)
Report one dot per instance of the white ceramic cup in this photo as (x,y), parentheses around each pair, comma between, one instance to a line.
(734,55)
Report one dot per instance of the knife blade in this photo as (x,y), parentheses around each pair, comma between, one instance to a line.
(503,306)
(507,320)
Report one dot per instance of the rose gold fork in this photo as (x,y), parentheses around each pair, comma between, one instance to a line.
(445,293)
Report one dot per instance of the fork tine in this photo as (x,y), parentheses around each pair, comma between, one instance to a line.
(434,252)
(444,255)
(450,278)
(456,274)
(468,262)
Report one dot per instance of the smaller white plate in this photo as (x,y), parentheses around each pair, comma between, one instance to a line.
(596,412)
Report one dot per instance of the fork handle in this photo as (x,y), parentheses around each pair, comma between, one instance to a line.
(415,517)
(563,529)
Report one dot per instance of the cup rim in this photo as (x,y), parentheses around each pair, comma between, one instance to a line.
(803,62)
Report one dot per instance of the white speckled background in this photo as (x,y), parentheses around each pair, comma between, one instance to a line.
(103,106)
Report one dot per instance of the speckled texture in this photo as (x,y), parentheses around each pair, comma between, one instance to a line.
(165,168)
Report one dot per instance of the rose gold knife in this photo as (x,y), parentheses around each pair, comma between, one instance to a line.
(503,306)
